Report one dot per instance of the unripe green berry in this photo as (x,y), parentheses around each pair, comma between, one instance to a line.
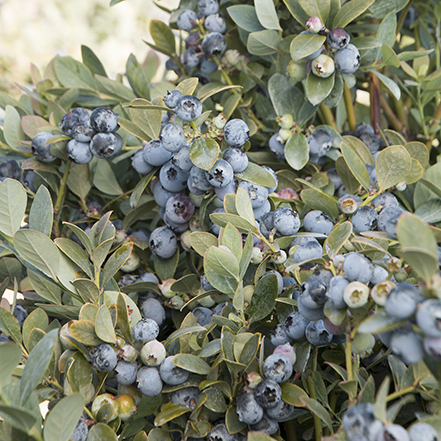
(381,290)
(256,256)
(356,295)
(153,353)
(363,344)
(286,121)
(126,406)
(165,288)
(176,302)
(323,66)
(131,263)
(296,71)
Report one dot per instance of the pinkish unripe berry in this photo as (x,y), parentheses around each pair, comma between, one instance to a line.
(315,25)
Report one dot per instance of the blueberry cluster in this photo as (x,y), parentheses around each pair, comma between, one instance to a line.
(92,135)
(205,40)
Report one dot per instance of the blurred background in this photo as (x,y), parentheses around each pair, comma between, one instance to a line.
(34,31)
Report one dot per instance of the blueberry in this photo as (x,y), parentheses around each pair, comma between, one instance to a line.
(387,215)
(79,152)
(385,200)
(177,228)
(145,330)
(231,188)
(163,243)
(80,432)
(236,133)
(391,226)
(139,164)
(320,141)
(323,67)
(189,108)
(206,285)
(364,219)
(336,288)
(407,345)
(318,222)
(155,154)
(207,66)
(20,314)
(266,425)
(317,334)
(358,267)
(338,38)
(257,193)
(215,23)
(360,423)
(189,58)
(402,301)
(221,174)
(10,169)
(104,358)
(371,141)
(268,393)
(309,314)
(71,119)
(278,335)
(363,128)
(314,293)
(273,174)
(173,179)
(432,346)
(277,367)
(187,20)
(149,381)
(394,432)
(334,177)
(349,203)
(276,147)
(186,396)
(248,409)
(429,317)
(28,179)
(237,158)
(172,137)
(126,372)
(40,149)
(347,60)
(172,98)
(262,210)
(286,221)
(199,179)
(422,432)
(214,44)
(281,412)
(295,325)
(106,145)
(171,374)
(208,7)
(152,309)
(310,249)
(179,208)
(379,275)
(104,120)
(3,338)
(203,315)
(162,195)
(266,223)
(83,131)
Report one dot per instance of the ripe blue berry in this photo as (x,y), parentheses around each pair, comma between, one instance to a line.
(189,58)
(71,119)
(215,23)
(139,164)
(279,336)
(277,367)
(310,249)
(371,141)
(358,267)
(163,242)
(276,147)
(214,44)
(207,66)
(199,179)
(317,334)
(203,315)
(145,330)
(360,423)
(402,301)
(336,288)
(318,222)
(314,293)
(422,432)
(268,393)
(394,432)
(221,174)
(295,325)
(248,409)
(308,313)
(407,345)
(106,145)
(149,381)
(172,137)
(186,396)
(10,169)
(83,131)
(181,159)
(40,149)
(257,193)
(171,178)
(338,38)
(320,141)
(172,98)
(347,60)
(152,309)
(80,432)
(266,425)
(104,358)
(236,133)
(189,108)
(364,219)
(429,317)
(231,188)
(187,20)
(281,412)
(286,221)
(171,374)
(126,372)
(387,215)
(237,158)
(179,208)
(262,210)
(161,195)
(208,7)
(155,154)
(104,120)
(79,152)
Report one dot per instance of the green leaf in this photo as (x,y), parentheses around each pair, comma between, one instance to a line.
(355,164)
(390,58)
(92,61)
(74,251)
(430,211)
(381,8)
(291,394)
(297,151)
(259,436)
(115,262)
(204,153)
(243,206)
(316,408)
(104,179)
(284,97)
(191,363)
(350,11)
(319,200)
(20,418)
(389,83)
(201,241)
(245,17)
(305,44)
(257,175)
(137,78)
(222,261)
(72,73)
(13,201)
(10,357)
(82,236)
(148,120)
(87,289)
(163,36)
(392,165)
(379,322)
(337,238)
(12,130)
(37,364)
(297,11)
(41,213)
(232,239)
(36,319)
(317,89)
(79,181)
(140,187)
(267,15)
(37,249)
(241,224)
(45,288)
(418,151)
(166,268)
(114,88)
(132,128)
(264,298)
(101,432)
(32,123)
(104,325)
(84,332)
(263,42)
(62,419)
(169,412)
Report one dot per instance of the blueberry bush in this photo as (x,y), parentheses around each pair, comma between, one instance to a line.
(246,250)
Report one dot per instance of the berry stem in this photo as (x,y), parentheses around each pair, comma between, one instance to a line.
(396,123)
(348,356)
(349,107)
(290,430)
(374,89)
(63,188)
(328,116)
